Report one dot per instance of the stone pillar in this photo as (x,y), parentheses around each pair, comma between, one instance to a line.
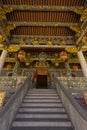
(82,63)
(16,68)
(2,59)
(67,67)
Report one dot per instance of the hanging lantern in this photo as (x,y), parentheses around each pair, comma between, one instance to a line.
(21,54)
(63,55)
(75,68)
(9,67)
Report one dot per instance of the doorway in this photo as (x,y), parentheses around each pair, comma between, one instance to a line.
(41,82)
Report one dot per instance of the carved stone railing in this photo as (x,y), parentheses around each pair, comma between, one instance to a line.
(13,82)
(76,113)
(74,82)
(7,113)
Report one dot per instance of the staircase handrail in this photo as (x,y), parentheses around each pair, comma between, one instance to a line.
(7,113)
(77,114)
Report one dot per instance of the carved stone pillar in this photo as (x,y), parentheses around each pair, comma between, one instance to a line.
(2,59)
(82,63)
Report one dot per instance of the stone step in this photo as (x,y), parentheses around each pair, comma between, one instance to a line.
(42,97)
(49,110)
(64,116)
(41,105)
(41,124)
(41,90)
(41,94)
(38,100)
(41,109)
(42,128)
(47,92)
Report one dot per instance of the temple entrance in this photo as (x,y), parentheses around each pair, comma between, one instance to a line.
(41,82)
(41,76)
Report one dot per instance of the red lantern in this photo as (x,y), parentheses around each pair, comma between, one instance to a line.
(63,55)
(9,67)
(21,54)
(75,68)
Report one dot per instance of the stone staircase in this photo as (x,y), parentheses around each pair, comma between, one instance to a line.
(41,109)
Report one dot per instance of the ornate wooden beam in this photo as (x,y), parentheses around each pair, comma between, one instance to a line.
(84,23)
(81,36)
(38,36)
(55,24)
(5,36)
(44,46)
(42,43)
(82,12)
(75,60)
(76,29)
(41,46)
(1,22)
(3,12)
(49,46)
(42,8)
(82,40)
(28,39)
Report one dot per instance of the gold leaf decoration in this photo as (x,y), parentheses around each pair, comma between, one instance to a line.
(71,50)
(81,12)
(84,15)
(74,50)
(49,42)
(76,29)
(2,39)
(84,40)
(35,42)
(78,11)
(9,28)
(13,48)
(3,12)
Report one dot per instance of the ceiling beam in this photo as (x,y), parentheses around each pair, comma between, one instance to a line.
(1,22)
(84,23)
(56,40)
(44,46)
(38,36)
(81,36)
(44,24)
(42,43)
(28,39)
(50,46)
(75,60)
(42,8)
(5,36)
